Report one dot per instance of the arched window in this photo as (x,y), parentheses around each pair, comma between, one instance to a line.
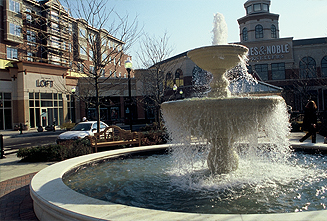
(307,68)
(258,31)
(324,66)
(273,31)
(245,34)
(179,81)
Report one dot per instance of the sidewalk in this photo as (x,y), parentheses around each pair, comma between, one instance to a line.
(15,177)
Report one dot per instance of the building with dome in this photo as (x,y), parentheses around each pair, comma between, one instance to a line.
(298,66)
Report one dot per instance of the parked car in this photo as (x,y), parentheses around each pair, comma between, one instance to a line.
(81,130)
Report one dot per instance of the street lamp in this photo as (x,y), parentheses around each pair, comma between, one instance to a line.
(175,90)
(128,66)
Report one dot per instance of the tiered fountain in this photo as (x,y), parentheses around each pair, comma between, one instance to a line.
(145,189)
(220,118)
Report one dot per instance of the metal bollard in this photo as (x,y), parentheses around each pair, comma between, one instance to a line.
(2,148)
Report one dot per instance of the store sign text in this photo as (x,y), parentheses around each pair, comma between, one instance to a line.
(270,52)
(44,83)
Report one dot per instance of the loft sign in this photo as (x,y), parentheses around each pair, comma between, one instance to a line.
(269,52)
(44,83)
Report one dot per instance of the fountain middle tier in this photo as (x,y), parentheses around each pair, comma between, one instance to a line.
(221,121)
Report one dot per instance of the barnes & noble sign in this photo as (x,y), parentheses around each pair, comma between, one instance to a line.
(278,51)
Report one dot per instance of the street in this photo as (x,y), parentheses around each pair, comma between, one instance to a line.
(12,144)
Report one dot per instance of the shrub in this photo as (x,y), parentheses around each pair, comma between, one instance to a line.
(153,134)
(55,152)
(67,125)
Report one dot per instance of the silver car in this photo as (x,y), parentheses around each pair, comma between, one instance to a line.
(81,130)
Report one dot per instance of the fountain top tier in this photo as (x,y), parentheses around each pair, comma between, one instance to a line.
(217,59)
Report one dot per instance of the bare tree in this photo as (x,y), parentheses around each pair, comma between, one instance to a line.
(102,37)
(152,54)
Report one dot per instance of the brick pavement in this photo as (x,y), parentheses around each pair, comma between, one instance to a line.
(15,200)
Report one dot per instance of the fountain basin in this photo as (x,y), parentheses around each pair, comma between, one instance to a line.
(217,57)
(53,200)
(221,121)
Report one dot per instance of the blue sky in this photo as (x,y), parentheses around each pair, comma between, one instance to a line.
(189,22)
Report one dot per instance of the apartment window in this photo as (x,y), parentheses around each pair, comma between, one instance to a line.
(307,68)
(262,71)
(14,29)
(258,31)
(30,56)
(12,53)
(92,69)
(30,36)
(82,50)
(82,32)
(54,16)
(104,41)
(324,67)
(80,67)
(55,27)
(101,72)
(91,56)
(28,16)
(119,74)
(273,31)
(278,71)
(104,57)
(14,6)
(245,34)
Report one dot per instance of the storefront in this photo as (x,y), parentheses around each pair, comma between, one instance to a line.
(35,94)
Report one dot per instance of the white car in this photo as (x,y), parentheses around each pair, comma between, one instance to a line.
(81,130)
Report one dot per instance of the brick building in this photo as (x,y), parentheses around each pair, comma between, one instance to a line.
(45,54)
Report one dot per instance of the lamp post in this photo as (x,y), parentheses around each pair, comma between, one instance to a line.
(175,90)
(128,66)
(181,93)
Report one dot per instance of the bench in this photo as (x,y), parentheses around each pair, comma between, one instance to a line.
(114,136)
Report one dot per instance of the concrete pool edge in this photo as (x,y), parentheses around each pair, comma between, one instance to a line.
(53,200)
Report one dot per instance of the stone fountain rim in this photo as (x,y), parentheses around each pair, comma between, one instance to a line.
(53,200)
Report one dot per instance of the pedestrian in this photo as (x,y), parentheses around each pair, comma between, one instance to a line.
(84,119)
(310,121)
(21,128)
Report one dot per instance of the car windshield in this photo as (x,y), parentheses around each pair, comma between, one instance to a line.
(82,127)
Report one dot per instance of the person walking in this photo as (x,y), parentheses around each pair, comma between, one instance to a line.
(310,121)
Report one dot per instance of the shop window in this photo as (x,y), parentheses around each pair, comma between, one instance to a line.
(258,31)
(307,68)
(273,31)
(262,71)
(245,34)
(324,66)
(278,71)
